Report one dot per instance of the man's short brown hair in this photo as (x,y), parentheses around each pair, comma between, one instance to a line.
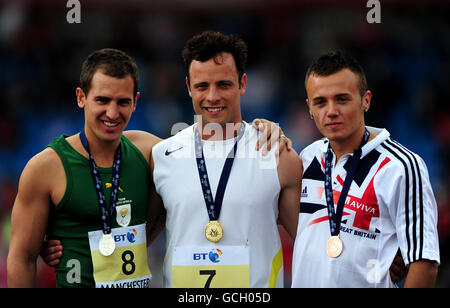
(333,62)
(209,44)
(111,62)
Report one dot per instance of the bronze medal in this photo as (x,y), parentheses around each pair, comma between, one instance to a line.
(334,247)
(214,231)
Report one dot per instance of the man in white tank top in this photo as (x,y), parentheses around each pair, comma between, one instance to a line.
(222,199)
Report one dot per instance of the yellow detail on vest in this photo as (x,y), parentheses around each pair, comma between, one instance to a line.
(276,266)
(109,185)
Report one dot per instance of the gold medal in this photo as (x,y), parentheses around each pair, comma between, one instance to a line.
(334,246)
(214,231)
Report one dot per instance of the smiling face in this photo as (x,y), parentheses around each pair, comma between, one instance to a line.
(216,90)
(108,107)
(338,109)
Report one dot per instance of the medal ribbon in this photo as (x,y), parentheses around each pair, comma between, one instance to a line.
(335,218)
(214,206)
(105,214)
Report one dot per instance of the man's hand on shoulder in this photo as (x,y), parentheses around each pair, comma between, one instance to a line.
(271,133)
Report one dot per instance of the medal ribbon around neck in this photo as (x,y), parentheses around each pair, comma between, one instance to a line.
(335,218)
(105,214)
(213,206)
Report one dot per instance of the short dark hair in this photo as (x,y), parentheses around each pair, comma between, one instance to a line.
(209,44)
(112,62)
(333,62)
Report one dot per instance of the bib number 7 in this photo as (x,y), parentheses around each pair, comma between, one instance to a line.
(211,274)
(210,267)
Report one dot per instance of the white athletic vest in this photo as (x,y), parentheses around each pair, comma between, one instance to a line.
(249,211)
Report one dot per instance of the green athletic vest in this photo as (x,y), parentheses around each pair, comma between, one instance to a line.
(79,212)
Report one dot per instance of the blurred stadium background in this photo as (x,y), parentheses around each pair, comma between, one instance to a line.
(406,58)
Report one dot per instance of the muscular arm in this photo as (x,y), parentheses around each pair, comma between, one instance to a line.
(421,274)
(29,219)
(289,173)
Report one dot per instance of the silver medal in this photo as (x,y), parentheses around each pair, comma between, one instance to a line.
(107,245)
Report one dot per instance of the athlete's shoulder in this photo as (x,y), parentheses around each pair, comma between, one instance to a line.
(313,149)
(179,139)
(41,171)
(44,159)
(50,156)
(143,141)
(399,154)
(140,138)
(318,144)
(400,164)
(170,150)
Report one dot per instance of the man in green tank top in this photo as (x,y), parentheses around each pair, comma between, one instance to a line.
(57,195)
(93,196)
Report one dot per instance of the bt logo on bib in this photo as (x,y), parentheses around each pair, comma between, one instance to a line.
(130,236)
(213,255)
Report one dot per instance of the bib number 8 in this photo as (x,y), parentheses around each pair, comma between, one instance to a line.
(128,258)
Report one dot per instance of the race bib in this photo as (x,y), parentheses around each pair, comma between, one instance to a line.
(211,267)
(127,267)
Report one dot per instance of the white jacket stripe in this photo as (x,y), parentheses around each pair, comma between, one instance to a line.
(420,192)
(413,200)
